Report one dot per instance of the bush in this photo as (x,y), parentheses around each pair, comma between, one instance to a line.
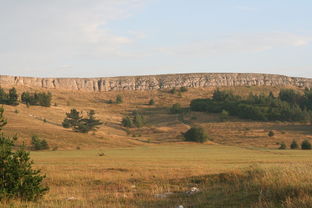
(17,177)
(42,99)
(173,91)
(38,144)
(138,120)
(306,145)
(195,134)
(224,115)
(289,106)
(119,99)
(127,122)
(151,102)
(271,133)
(183,89)
(176,108)
(294,145)
(282,146)
(10,98)
(75,120)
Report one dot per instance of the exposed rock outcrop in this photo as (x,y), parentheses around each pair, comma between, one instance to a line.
(194,80)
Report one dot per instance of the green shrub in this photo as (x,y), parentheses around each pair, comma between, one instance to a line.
(282,146)
(306,145)
(151,102)
(183,89)
(38,144)
(224,115)
(271,133)
(195,134)
(173,91)
(138,120)
(18,180)
(127,122)
(176,108)
(119,99)
(10,98)
(289,106)
(42,99)
(294,145)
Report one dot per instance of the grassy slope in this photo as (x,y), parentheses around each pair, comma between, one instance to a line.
(162,127)
(137,168)
(132,177)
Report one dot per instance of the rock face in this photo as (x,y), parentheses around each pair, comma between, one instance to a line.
(156,81)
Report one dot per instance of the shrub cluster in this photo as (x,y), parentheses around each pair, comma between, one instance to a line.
(38,144)
(176,108)
(195,134)
(305,145)
(137,120)
(41,98)
(78,123)
(10,98)
(182,89)
(288,106)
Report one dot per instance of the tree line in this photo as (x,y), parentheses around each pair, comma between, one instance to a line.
(289,105)
(12,98)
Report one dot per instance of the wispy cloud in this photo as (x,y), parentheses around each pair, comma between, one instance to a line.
(59,30)
(241,43)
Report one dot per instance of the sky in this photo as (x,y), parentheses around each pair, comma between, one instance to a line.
(103,38)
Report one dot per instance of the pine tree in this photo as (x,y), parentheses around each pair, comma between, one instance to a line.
(17,177)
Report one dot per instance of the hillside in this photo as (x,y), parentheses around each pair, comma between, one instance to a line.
(161,126)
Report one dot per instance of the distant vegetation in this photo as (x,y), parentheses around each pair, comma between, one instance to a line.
(306,145)
(137,120)
(18,180)
(38,144)
(119,99)
(41,98)
(78,123)
(12,98)
(176,108)
(151,102)
(288,106)
(195,134)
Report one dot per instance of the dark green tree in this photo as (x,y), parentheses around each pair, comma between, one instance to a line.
(294,145)
(18,180)
(13,97)
(119,99)
(38,144)
(306,145)
(151,102)
(282,146)
(195,134)
(138,120)
(183,89)
(75,120)
(127,122)
(72,118)
(175,108)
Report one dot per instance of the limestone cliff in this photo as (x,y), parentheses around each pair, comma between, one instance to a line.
(194,80)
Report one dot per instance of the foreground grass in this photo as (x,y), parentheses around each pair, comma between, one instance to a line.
(141,177)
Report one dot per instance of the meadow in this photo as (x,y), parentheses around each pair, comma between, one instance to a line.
(161,176)
(240,166)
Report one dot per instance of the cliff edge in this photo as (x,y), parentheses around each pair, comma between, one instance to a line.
(194,80)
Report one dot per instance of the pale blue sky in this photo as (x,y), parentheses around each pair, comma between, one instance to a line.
(84,38)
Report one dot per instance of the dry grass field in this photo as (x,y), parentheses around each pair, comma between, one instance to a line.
(152,166)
